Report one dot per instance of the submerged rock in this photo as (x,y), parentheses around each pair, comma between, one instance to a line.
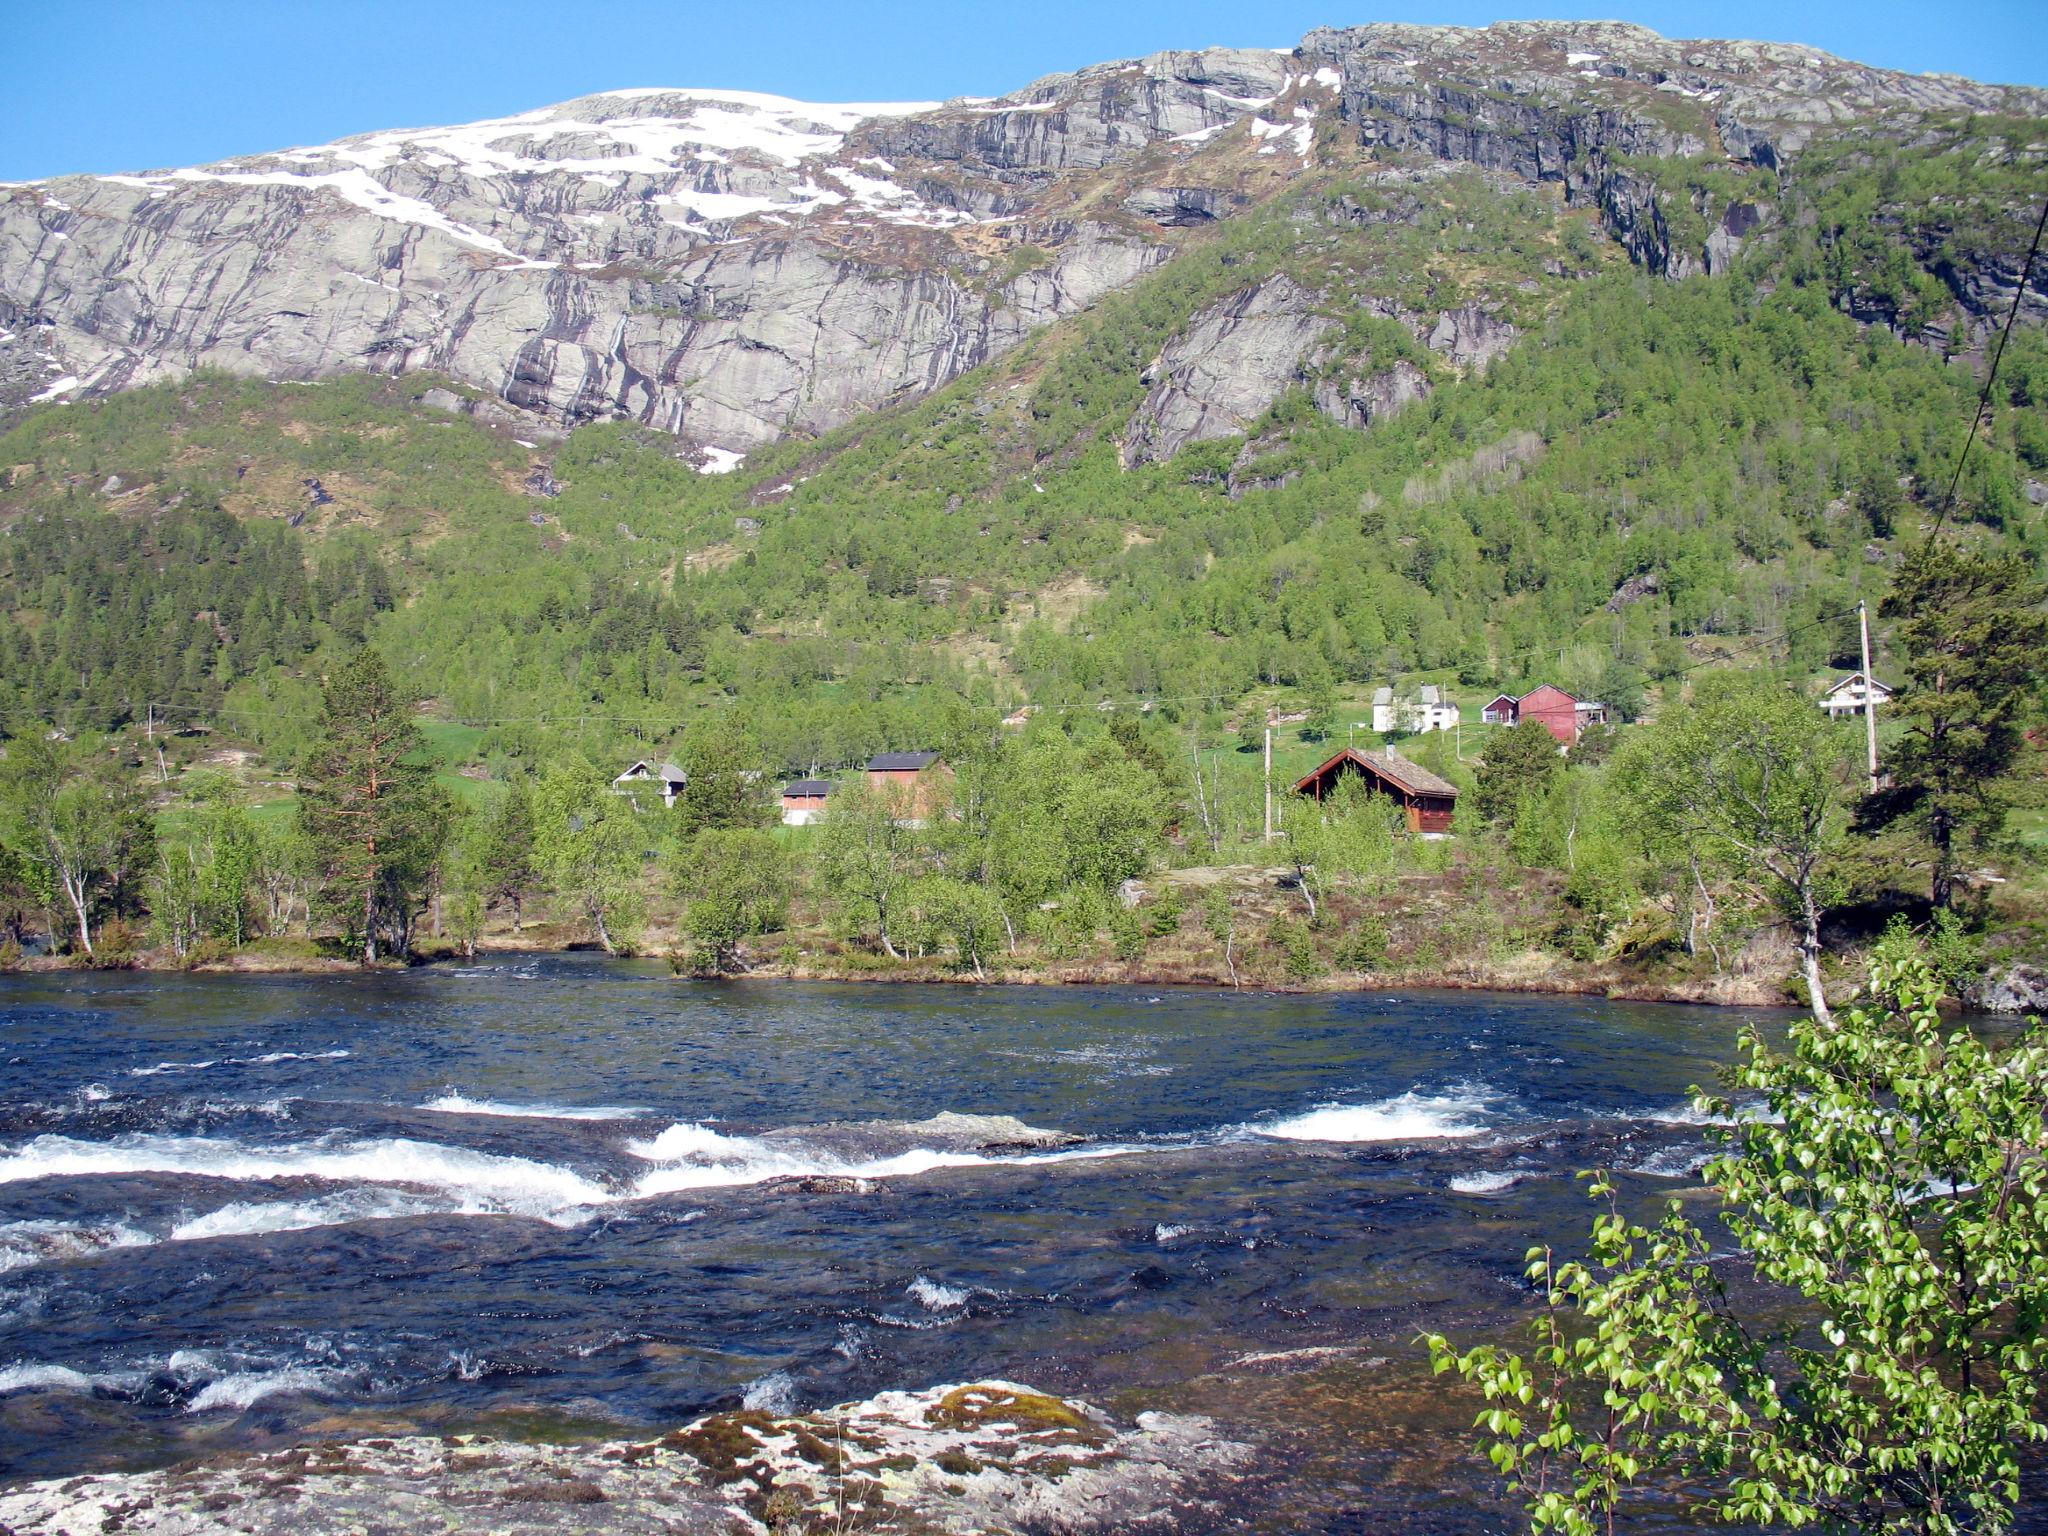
(986,1455)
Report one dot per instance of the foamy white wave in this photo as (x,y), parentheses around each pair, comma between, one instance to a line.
(34,1376)
(514,1184)
(95,1093)
(268,1058)
(1673,1163)
(935,1296)
(243,1389)
(773,1393)
(23,1243)
(171,1066)
(1488,1183)
(454,1103)
(697,1157)
(1165,1232)
(1407,1117)
(1689,1113)
(252,1218)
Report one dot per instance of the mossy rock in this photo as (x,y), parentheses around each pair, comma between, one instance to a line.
(721,1443)
(983,1407)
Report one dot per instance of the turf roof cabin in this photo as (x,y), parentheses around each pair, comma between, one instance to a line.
(1426,800)
(916,783)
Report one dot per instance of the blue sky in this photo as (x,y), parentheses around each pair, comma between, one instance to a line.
(109,85)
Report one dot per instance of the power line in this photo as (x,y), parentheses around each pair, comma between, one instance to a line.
(1991,378)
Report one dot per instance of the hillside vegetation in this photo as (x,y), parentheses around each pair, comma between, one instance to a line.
(1656,476)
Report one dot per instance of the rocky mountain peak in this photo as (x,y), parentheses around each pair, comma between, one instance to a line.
(730,266)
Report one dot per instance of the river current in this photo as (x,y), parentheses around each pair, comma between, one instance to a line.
(555,1197)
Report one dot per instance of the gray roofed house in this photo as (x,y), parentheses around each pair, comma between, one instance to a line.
(803,801)
(671,778)
(901,762)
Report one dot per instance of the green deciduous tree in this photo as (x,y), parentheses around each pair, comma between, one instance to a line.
(1898,1199)
(734,883)
(589,846)
(1745,783)
(867,858)
(76,816)
(1972,638)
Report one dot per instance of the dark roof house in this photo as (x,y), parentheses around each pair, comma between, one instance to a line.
(901,762)
(1428,800)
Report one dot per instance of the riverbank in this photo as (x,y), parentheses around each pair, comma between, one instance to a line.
(1249,928)
(1531,972)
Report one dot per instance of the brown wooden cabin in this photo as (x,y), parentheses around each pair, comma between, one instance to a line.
(1426,799)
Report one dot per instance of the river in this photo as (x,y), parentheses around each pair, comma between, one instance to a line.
(553,1197)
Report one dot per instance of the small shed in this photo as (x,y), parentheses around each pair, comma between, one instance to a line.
(803,801)
(1501,711)
(647,771)
(1846,696)
(1428,801)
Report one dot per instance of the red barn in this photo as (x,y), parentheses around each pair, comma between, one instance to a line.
(1426,799)
(1558,710)
(916,783)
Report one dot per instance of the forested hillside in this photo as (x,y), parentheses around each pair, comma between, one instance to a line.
(1650,471)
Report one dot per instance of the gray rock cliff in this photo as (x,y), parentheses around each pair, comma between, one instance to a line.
(729,267)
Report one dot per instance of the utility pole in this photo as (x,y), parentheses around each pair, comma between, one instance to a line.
(1269,781)
(1869,693)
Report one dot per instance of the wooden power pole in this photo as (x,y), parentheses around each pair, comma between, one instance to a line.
(1269,782)
(1869,694)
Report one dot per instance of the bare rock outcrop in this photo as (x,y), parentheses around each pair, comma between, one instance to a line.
(986,1455)
(1226,369)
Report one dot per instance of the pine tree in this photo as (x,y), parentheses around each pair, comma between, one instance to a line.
(506,856)
(367,802)
(1972,638)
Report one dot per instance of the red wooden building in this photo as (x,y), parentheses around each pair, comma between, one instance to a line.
(915,783)
(1562,714)
(1426,799)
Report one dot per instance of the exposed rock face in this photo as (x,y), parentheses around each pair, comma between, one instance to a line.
(1225,370)
(1361,402)
(730,267)
(1470,337)
(989,1455)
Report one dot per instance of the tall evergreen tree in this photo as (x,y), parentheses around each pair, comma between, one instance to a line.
(367,802)
(1972,641)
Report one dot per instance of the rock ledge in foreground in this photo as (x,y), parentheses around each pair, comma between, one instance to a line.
(990,1455)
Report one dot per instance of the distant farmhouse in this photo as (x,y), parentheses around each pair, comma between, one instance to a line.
(803,801)
(647,771)
(1427,801)
(1428,708)
(914,783)
(1564,715)
(1846,696)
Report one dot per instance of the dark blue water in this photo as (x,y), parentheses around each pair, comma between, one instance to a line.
(578,1197)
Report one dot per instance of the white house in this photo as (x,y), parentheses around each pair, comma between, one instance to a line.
(1846,696)
(647,771)
(1427,709)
